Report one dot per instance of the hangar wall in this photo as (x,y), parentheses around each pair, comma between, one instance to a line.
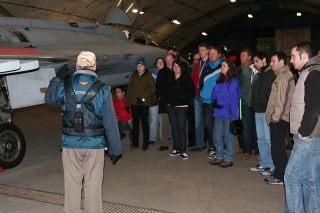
(239,33)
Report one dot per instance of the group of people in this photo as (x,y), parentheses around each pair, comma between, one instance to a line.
(170,95)
(266,94)
(207,96)
(164,94)
(273,100)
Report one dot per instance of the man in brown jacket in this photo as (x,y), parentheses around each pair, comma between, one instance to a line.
(277,115)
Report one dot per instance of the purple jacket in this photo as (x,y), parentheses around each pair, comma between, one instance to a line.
(228,96)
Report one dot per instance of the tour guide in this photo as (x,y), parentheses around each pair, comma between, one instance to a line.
(88,116)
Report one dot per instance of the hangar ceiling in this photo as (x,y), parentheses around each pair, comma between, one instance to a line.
(195,16)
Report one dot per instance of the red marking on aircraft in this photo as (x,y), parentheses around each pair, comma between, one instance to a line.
(17,51)
(12,28)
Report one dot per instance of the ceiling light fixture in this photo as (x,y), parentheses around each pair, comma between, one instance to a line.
(176,21)
(135,11)
(129,7)
(119,3)
(204,33)
(250,15)
(298,14)
(233,1)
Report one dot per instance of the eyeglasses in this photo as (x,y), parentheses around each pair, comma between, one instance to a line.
(294,55)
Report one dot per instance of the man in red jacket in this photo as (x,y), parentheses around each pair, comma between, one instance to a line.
(198,102)
(124,116)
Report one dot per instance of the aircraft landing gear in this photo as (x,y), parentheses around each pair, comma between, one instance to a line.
(12,145)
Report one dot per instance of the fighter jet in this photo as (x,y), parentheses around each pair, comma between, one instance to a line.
(32,51)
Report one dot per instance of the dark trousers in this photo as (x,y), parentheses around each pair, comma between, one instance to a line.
(191,124)
(178,119)
(125,126)
(249,130)
(240,140)
(140,112)
(208,121)
(278,149)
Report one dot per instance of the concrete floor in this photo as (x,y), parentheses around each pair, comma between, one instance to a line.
(150,179)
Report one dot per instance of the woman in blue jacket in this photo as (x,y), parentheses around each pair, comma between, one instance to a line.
(225,97)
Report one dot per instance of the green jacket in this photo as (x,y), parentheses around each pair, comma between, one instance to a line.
(245,87)
(143,87)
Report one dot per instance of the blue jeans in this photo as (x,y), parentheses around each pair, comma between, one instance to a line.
(264,143)
(125,126)
(199,127)
(178,119)
(249,130)
(153,125)
(302,176)
(221,137)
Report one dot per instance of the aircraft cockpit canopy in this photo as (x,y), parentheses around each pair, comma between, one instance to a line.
(143,38)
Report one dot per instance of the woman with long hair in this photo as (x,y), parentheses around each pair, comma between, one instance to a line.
(225,98)
(179,90)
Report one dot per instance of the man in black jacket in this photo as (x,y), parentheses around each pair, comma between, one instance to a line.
(162,78)
(261,90)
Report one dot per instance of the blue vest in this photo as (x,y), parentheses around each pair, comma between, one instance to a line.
(92,124)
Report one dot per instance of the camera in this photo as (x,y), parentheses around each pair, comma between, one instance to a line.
(140,100)
(78,122)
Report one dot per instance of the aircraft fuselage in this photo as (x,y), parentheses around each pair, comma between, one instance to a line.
(57,43)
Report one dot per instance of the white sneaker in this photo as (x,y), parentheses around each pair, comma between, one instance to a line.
(257,168)
(174,153)
(184,156)
(273,181)
(212,156)
(267,172)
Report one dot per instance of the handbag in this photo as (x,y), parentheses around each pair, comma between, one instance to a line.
(236,126)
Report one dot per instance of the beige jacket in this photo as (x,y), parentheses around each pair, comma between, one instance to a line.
(297,104)
(280,97)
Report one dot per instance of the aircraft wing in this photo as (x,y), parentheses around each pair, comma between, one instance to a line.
(25,83)
(9,66)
